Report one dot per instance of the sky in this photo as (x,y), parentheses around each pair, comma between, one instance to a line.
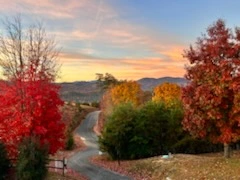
(129,39)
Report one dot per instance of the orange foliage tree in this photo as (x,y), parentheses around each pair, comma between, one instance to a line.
(211,99)
(125,92)
(167,92)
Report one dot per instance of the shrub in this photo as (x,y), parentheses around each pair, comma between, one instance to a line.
(85,103)
(69,142)
(174,131)
(150,130)
(95,104)
(32,160)
(4,162)
(79,108)
(190,145)
(118,131)
(132,133)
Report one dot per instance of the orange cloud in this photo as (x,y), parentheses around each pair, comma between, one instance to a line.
(82,67)
(174,52)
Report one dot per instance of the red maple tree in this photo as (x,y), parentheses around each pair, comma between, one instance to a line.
(29,106)
(211,98)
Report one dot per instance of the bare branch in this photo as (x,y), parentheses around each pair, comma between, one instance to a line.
(21,48)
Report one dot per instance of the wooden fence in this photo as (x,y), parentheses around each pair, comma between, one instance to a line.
(58,164)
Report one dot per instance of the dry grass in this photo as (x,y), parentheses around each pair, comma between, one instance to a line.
(59,176)
(180,166)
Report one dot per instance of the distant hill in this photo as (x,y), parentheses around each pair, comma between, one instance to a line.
(80,91)
(149,83)
(88,91)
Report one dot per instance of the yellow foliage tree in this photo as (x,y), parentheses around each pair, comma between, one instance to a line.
(167,92)
(129,91)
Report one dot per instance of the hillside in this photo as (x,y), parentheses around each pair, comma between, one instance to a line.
(149,83)
(88,91)
(81,91)
(180,166)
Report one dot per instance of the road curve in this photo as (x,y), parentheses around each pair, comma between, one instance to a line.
(80,161)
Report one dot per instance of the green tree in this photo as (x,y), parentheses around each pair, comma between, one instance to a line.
(132,133)
(117,131)
(32,160)
(150,135)
(69,144)
(4,162)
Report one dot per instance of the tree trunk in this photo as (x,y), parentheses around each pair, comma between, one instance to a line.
(226,150)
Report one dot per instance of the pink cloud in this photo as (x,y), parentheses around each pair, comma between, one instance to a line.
(97,22)
(81,35)
(47,8)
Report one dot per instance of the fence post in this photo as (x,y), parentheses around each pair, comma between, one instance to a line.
(64,161)
(63,166)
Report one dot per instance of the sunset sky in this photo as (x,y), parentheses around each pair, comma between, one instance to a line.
(130,39)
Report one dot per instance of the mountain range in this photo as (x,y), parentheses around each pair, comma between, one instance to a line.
(88,91)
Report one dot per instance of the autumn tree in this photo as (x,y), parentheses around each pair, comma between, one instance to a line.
(129,91)
(36,113)
(29,99)
(167,92)
(105,82)
(211,99)
(121,92)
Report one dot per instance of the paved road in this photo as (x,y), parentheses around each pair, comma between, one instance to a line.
(80,161)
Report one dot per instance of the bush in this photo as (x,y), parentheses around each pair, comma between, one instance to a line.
(79,108)
(131,133)
(85,103)
(69,142)
(4,162)
(117,132)
(151,130)
(190,145)
(150,135)
(95,104)
(32,160)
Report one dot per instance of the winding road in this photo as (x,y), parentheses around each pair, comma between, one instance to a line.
(80,161)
